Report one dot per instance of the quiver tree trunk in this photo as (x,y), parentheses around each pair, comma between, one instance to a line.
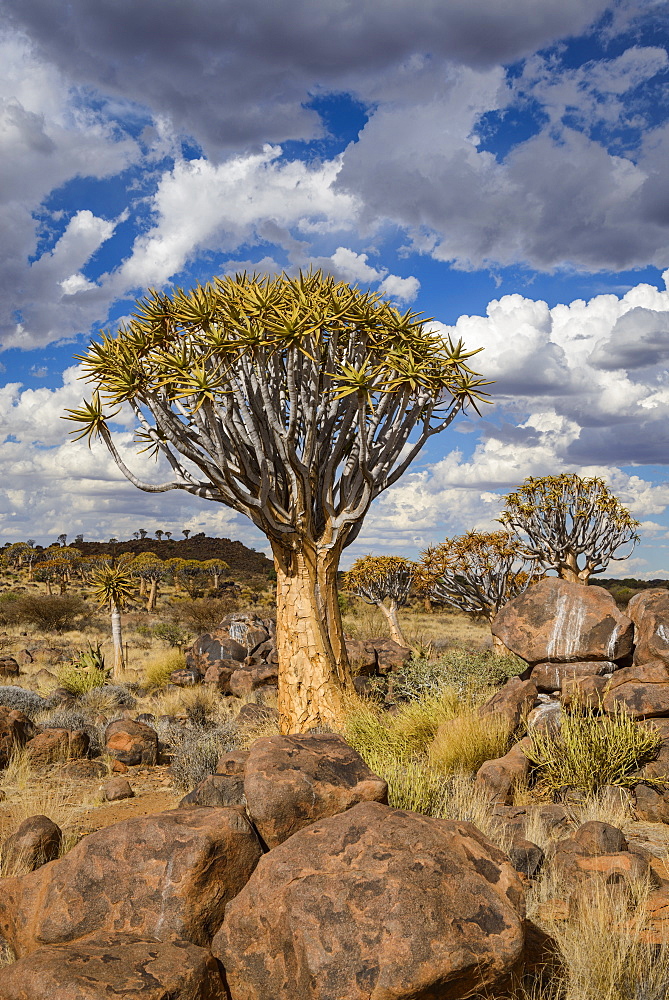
(314,673)
(390,611)
(117,639)
(153,593)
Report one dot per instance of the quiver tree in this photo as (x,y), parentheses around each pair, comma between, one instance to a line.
(477,572)
(292,401)
(571,525)
(215,568)
(112,587)
(381,579)
(190,573)
(149,569)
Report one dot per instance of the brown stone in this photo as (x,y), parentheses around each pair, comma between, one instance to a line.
(36,841)
(375,902)
(362,657)
(114,967)
(8,667)
(245,681)
(642,690)
(251,715)
(219,674)
(614,867)
(82,770)
(497,778)
(292,781)
(44,678)
(513,701)
(164,876)
(651,803)
(552,676)
(216,790)
(15,730)
(560,622)
(390,655)
(593,838)
(187,677)
(233,762)
(131,742)
(649,611)
(214,647)
(526,857)
(545,718)
(23,657)
(588,692)
(116,789)
(48,655)
(53,745)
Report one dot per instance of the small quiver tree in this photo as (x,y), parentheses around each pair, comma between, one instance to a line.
(293,401)
(112,586)
(571,525)
(149,570)
(381,579)
(215,568)
(477,572)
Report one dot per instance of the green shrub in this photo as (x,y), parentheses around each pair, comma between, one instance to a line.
(157,671)
(78,680)
(170,633)
(403,736)
(591,751)
(50,613)
(469,672)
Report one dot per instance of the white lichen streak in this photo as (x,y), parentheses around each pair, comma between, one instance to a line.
(663,633)
(567,626)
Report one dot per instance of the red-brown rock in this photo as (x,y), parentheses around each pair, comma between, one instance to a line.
(219,675)
(187,677)
(362,657)
(8,667)
(292,781)
(216,790)
(556,621)
(36,841)
(131,742)
(649,611)
(246,680)
(376,902)
(513,701)
(594,838)
(15,730)
(587,691)
(552,676)
(54,745)
(390,655)
(114,967)
(164,877)
(497,778)
(651,803)
(642,690)
(116,789)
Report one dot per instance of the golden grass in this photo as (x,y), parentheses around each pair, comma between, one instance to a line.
(157,669)
(467,741)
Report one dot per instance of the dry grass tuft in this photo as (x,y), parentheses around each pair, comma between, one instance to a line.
(466,741)
(158,668)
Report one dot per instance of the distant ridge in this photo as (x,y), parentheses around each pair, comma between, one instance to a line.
(239,558)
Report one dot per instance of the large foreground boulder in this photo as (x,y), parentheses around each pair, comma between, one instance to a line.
(292,781)
(162,877)
(374,903)
(555,621)
(114,967)
(650,613)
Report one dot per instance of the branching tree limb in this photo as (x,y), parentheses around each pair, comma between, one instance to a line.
(377,579)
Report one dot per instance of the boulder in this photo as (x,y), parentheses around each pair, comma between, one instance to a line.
(651,803)
(545,718)
(116,789)
(594,838)
(555,621)
(390,655)
(131,742)
(82,770)
(36,841)
(526,857)
(497,778)
(23,657)
(53,745)
(362,657)
(649,611)
(586,691)
(15,730)
(513,700)
(292,781)
(163,877)
(642,690)
(374,902)
(216,790)
(552,676)
(246,680)
(187,677)
(239,636)
(8,667)
(114,967)
(219,674)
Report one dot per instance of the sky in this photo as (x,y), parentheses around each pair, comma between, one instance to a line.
(500,165)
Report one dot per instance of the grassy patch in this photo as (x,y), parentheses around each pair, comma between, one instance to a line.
(467,741)
(157,670)
(79,680)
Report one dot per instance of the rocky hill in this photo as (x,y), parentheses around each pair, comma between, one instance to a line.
(240,559)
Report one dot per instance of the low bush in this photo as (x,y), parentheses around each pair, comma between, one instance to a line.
(49,613)
(170,632)
(470,672)
(468,741)
(20,700)
(204,613)
(79,680)
(196,752)
(591,751)
(105,699)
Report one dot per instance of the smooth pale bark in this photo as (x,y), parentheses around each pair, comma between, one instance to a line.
(390,612)
(569,571)
(153,593)
(314,672)
(117,640)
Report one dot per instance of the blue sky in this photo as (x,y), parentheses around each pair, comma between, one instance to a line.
(502,167)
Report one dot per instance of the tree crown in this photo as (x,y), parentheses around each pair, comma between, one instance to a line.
(376,577)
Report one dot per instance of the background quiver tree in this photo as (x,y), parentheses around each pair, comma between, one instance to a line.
(113,587)
(295,401)
(568,524)
(215,568)
(150,570)
(381,579)
(477,572)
